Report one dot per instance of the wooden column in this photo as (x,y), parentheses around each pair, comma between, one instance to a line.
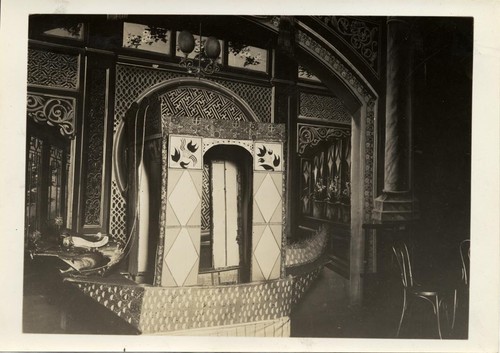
(397,202)
(285,111)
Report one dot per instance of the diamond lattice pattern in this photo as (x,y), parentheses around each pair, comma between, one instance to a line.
(267,252)
(184,198)
(181,257)
(267,198)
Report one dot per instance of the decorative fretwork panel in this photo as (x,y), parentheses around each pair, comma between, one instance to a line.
(118,220)
(323,107)
(196,102)
(55,111)
(205,199)
(258,97)
(50,69)
(131,81)
(95,147)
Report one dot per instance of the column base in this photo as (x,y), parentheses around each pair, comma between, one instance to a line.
(396,207)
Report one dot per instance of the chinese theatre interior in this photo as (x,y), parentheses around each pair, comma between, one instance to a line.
(248,175)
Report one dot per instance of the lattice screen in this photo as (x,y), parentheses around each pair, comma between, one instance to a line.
(324,107)
(50,69)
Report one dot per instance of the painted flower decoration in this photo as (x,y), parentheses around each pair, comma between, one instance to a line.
(319,192)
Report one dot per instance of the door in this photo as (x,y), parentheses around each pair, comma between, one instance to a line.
(225,191)
(226,224)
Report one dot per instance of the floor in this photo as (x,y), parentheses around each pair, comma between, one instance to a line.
(324,311)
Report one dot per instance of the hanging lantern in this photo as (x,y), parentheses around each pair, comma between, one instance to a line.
(186,42)
(204,63)
(212,48)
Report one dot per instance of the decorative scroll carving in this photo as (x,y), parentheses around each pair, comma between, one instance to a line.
(51,69)
(55,111)
(362,36)
(311,135)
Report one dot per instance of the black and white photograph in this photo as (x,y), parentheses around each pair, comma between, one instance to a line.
(274,181)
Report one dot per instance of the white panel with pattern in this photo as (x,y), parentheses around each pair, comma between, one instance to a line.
(181,257)
(184,198)
(267,197)
(267,252)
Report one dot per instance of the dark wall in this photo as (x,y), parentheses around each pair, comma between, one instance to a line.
(442,132)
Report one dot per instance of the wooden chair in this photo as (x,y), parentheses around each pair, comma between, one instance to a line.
(434,294)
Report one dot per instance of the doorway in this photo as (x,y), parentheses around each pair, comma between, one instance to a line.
(225,250)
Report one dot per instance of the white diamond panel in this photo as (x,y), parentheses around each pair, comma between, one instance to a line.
(184,198)
(267,198)
(267,252)
(181,257)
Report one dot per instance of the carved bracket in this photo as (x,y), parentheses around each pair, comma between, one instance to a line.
(55,111)
(311,135)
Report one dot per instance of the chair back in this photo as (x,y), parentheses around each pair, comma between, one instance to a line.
(403,258)
(465,258)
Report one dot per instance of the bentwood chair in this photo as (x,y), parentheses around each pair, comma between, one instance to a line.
(435,295)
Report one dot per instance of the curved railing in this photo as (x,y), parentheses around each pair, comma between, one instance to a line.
(308,250)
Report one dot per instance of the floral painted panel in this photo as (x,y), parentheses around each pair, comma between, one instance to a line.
(185,152)
(304,73)
(144,37)
(268,156)
(67,30)
(247,57)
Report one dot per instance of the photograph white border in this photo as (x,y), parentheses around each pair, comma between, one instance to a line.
(484,293)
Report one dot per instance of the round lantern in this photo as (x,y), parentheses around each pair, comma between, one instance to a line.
(212,48)
(186,42)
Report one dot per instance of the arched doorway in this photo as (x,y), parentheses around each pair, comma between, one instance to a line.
(226,210)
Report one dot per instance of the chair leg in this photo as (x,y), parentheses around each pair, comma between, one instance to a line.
(402,313)
(438,318)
